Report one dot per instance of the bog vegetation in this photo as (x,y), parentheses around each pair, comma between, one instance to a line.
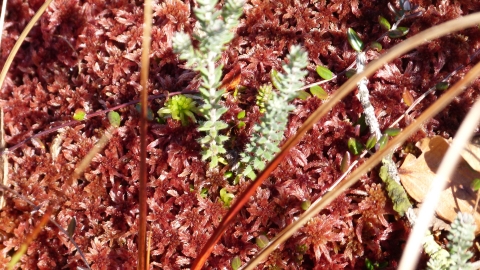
(231,124)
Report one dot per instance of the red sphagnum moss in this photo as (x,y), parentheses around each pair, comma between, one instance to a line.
(86,55)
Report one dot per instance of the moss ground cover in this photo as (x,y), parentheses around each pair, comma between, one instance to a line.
(86,55)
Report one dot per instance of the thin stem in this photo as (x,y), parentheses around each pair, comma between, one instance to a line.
(145,59)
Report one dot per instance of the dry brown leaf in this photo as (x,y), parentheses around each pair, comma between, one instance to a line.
(417,174)
(472,156)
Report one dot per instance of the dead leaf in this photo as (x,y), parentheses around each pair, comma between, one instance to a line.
(437,224)
(417,175)
(232,79)
(472,156)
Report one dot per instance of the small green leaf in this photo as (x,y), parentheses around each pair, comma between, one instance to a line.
(371,142)
(354,40)
(346,161)
(71,226)
(228,174)
(384,23)
(350,73)
(236,263)
(204,192)
(442,86)
(399,32)
(235,93)
(275,79)
(241,124)
(376,45)
(79,115)
(114,118)
(324,73)
(237,179)
(392,131)
(262,241)
(226,197)
(476,184)
(303,95)
(319,92)
(369,265)
(241,115)
(354,146)
(382,142)
(305,205)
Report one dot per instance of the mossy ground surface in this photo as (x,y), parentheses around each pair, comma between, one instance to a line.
(86,55)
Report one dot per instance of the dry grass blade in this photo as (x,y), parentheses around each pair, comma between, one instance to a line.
(145,58)
(34,206)
(3,159)
(149,247)
(3,74)
(91,154)
(395,52)
(21,38)
(411,255)
(23,248)
(2,19)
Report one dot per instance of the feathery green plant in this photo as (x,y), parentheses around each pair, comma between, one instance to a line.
(213,34)
(461,238)
(263,144)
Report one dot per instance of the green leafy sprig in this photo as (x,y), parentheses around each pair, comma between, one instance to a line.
(268,133)
(213,34)
(460,238)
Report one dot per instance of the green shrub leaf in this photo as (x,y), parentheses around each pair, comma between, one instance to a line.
(319,92)
(350,73)
(241,115)
(305,205)
(236,263)
(392,131)
(79,115)
(262,241)
(371,142)
(384,23)
(324,73)
(476,184)
(376,45)
(442,86)
(303,95)
(354,146)
(114,118)
(354,40)
(382,142)
(399,32)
